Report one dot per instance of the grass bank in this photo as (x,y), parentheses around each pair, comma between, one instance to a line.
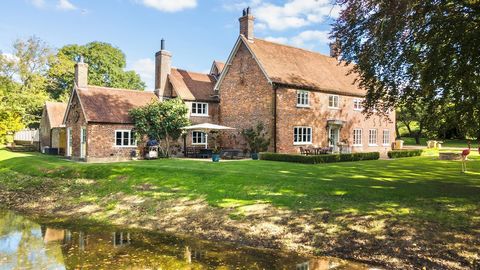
(402,213)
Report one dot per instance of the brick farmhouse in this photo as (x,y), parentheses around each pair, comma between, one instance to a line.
(303,98)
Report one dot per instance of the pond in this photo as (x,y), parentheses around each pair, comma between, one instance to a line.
(48,244)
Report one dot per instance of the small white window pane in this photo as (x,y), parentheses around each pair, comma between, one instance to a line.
(118,138)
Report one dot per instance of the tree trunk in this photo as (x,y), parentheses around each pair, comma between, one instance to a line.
(418,135)
(167,154)
(397,130)
(407,124)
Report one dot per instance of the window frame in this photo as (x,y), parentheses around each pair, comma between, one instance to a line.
(302,134)
(196,105)
(305,96)
(122,139)
(204,137)
(385,132)
(354,137)
(359,101)
(370,137)
(337,97)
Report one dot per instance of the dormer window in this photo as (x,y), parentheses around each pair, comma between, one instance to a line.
(302,98)
(199,109)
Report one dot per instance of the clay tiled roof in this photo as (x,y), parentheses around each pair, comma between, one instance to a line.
(302,68)
(55,112)
(219,65)
(191,85)
(111,105)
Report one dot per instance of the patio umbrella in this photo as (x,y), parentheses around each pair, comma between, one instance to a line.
(206,127)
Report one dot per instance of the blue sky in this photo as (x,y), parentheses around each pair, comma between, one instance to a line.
(196,31)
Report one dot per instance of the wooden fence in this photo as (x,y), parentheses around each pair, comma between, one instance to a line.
(27,135)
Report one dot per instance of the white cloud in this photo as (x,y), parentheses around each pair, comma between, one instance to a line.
(145,67)
(307,39)
(38,3)
(65,5)
(310,36)
(292,14)
(282,40)
(170,5)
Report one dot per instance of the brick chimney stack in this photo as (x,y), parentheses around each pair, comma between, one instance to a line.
(246,24)
(81,74)
(163,65)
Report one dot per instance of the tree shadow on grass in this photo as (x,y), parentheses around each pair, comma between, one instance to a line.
(415,211)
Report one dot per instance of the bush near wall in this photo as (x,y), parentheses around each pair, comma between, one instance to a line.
(404,153)
(316,159)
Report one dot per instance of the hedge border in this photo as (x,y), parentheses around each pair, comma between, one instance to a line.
(405,153)
(318,159)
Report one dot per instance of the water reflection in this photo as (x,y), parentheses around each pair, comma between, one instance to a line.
(25,244)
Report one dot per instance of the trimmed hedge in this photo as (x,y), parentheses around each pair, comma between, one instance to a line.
(316,159)
(405,153)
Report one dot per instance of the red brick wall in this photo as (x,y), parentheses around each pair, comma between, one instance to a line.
(246,98)
(75,120)
(44,129)
(101,143)
(316,116)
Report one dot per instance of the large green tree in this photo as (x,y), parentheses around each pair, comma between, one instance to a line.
(106,68)
(410,50)
(161,121)
(23,85)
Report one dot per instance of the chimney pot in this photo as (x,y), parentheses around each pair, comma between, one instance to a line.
(162,44)
(246,24)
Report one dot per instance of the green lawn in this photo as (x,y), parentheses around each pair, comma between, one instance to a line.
(416,189)
(446,143)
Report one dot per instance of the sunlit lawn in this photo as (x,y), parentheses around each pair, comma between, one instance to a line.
(420,188)
(446,143)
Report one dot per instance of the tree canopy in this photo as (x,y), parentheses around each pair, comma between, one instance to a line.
(35,73)
(411,51)
(161,121)
(106,68)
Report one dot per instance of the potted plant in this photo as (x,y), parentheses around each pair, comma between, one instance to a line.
(216,149)
(256,139)
(216,154)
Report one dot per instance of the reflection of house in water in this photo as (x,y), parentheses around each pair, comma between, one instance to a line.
(52,235)
(194,255)
(327,264)
(121,239)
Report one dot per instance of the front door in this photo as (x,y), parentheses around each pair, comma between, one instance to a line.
(69,142)
(83,142)
(333,138)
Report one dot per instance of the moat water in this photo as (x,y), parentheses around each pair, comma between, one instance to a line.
(27,243)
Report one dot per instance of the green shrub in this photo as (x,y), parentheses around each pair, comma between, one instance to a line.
(405,153)
(316,159)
